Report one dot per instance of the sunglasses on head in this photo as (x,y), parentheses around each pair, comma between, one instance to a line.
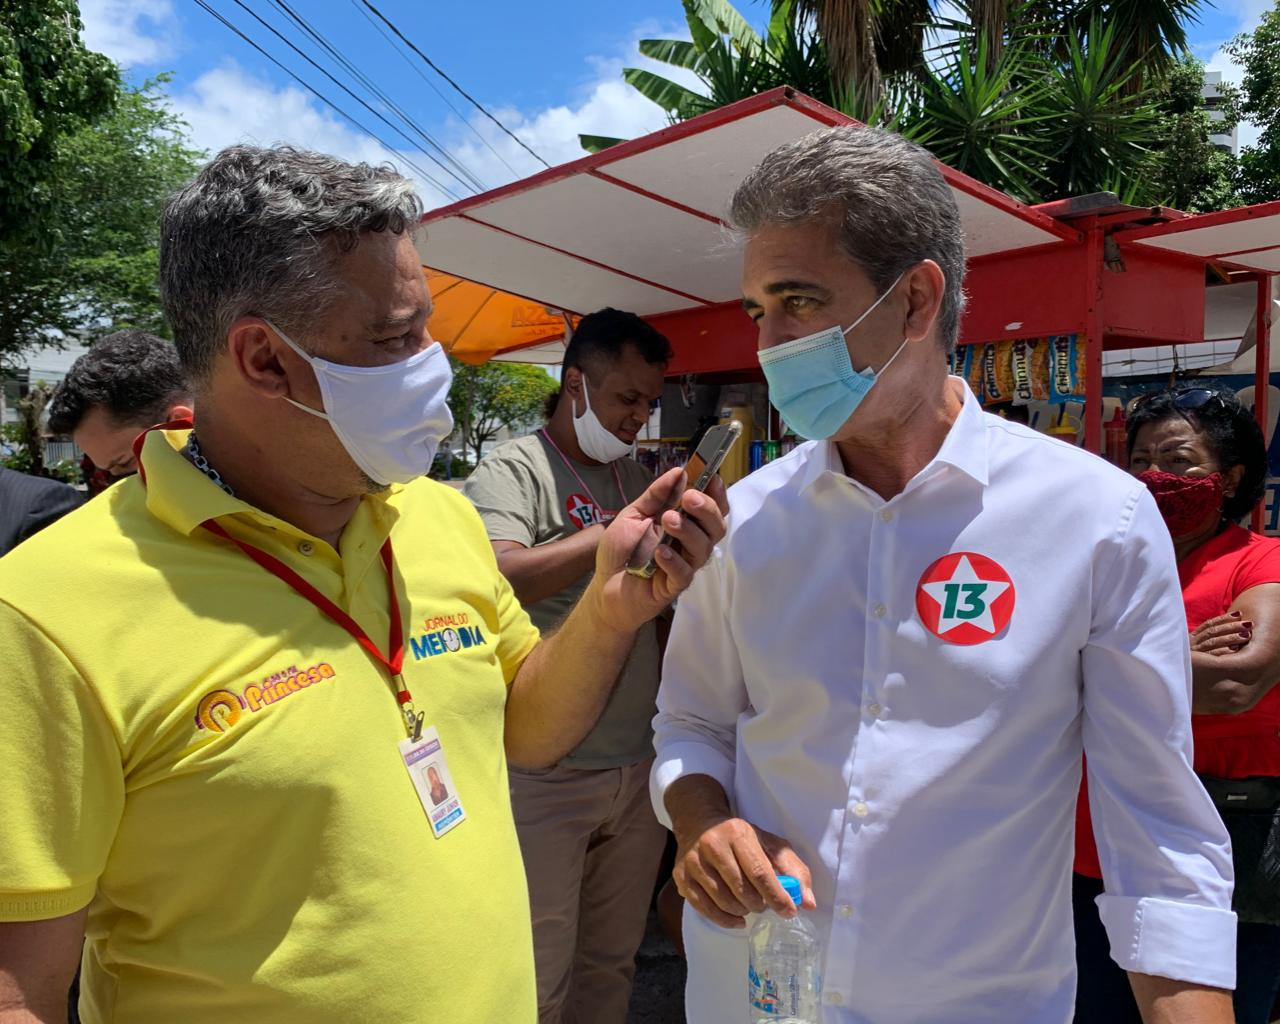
(1186,400)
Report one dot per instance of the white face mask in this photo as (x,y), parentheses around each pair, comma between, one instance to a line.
(390,419)
(596,441)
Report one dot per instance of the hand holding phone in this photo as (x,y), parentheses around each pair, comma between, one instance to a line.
(700,470)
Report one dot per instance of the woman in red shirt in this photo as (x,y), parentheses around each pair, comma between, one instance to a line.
(1204,459)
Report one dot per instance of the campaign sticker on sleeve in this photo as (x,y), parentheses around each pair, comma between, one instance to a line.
(965,598)
(429,771)
(583,512)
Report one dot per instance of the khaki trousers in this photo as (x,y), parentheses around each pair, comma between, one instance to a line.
(591,847)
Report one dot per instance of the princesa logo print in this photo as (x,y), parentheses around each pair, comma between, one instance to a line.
(219,710)
(446,634)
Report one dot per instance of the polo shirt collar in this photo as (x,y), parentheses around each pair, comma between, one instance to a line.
(183,497)
(964,448)
(177,493)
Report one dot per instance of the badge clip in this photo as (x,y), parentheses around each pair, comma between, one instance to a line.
(415,725)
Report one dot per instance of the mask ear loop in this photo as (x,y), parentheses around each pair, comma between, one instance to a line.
(892,358)
(871,308)
(586,399)
(306,358)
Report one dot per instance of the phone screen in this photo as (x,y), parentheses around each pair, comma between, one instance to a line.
(699,471)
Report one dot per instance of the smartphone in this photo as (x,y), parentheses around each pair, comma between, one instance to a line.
(700,470)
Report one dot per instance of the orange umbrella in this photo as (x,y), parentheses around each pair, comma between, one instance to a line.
(475,322)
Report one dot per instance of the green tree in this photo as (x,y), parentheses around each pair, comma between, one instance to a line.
(1186,170)
(486,398)
(1258,53)
(1041,99)
(731,60)
(50,85)
(22,442)
(868,42)
(109,184)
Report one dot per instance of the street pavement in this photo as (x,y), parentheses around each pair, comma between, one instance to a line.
(658,996)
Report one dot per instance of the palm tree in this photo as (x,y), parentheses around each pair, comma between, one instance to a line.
(731,60)
(1148,32)
(867,41)
(1032,97)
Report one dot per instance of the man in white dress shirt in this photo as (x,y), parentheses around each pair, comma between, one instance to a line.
(918,622)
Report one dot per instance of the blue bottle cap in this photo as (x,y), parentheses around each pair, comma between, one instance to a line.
(792,887)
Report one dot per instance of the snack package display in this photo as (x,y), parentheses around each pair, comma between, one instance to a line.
(1029,362)
(997,372)
(1066,367)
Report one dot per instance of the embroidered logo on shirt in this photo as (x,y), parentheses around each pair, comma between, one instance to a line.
(965,598)
(583,512)
(446,634)
(219,710)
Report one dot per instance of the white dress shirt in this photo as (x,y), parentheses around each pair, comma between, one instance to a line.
(915,729)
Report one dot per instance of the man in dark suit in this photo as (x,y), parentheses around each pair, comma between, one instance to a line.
(30,503)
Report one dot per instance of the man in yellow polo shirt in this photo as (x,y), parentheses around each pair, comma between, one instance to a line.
(230,681)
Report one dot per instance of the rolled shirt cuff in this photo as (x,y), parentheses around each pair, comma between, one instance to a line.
(686,757)
(1182,941)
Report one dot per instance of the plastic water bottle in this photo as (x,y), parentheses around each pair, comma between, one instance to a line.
(784,975)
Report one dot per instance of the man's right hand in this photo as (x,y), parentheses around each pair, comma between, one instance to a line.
(726,867)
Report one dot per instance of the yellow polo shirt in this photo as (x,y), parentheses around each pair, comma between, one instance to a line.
(202,757)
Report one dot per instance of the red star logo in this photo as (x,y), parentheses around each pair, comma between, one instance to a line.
(965,598)
(582,511)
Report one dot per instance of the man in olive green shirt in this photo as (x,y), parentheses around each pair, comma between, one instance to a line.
(590,841)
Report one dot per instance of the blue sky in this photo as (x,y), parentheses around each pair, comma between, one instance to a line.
(549,69)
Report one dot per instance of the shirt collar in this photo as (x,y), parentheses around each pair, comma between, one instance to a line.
(177,493)
(964,448)
(183,497)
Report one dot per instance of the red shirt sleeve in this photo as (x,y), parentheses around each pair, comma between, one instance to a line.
(1261,565)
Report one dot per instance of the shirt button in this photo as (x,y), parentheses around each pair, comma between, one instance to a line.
(886,514)
(846,910)
(835,998)
(305,547)
(874,710)
(880,611)
(861,809)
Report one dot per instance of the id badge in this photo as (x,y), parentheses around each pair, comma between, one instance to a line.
(424,758)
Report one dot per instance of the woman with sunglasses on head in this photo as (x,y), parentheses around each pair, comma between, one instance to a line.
(1203,457)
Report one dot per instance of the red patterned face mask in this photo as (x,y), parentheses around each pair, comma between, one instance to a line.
(1184,501)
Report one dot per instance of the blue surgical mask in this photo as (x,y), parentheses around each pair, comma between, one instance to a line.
(812,382)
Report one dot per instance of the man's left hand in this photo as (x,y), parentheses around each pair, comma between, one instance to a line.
(627,602)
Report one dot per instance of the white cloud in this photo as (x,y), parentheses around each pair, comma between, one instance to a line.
(1248,13)
(229,104)
(130,31)
(608,106)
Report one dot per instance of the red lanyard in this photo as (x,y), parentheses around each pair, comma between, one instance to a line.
(393,661)
(613,465)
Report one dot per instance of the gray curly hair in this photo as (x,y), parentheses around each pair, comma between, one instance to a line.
(892,205)
(257,233)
